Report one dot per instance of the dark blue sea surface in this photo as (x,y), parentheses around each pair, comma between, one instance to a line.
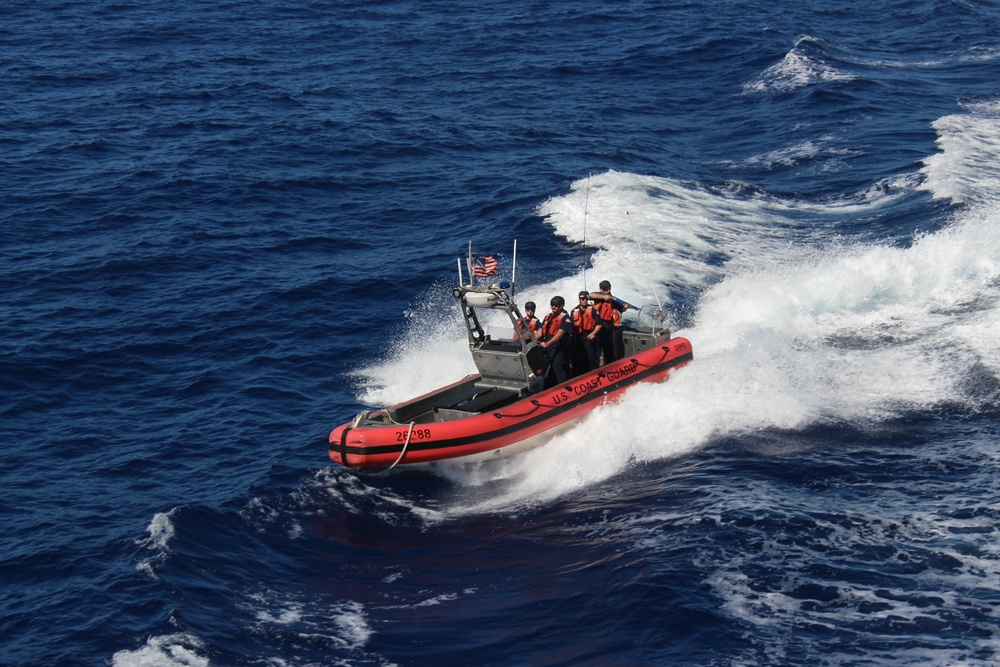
(226,227)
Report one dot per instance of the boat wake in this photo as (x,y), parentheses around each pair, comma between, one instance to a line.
(965,168)
(793,327)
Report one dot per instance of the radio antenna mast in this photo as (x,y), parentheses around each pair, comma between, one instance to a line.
(513,271)
(652,283)
(586,206)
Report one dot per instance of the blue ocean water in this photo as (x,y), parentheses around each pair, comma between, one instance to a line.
(227,226)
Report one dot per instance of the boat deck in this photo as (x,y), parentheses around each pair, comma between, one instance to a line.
(464,400)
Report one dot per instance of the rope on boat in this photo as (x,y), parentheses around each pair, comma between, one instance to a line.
(405,445)
(534,402)
(539,405)
(666,351)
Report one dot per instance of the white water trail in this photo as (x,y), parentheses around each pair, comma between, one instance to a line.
(795,327)
(844,335)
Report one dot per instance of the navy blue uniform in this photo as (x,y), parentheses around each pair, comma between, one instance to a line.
(557,349)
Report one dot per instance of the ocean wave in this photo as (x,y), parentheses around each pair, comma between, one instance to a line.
(159,533)
(804,65)
(964,169)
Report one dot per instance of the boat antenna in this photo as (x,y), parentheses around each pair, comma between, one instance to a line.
(586,205)
(652,283)
(468,263)
(458,260)
(513,271)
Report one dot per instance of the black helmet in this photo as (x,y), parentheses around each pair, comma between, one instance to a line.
(530,305)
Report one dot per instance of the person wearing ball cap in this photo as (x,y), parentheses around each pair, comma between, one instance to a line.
(586,350)
(555,335)
(605,306)
(534,324)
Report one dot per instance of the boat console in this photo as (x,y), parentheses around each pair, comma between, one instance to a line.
(506,355)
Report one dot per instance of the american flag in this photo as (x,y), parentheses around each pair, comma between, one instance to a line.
(485,266)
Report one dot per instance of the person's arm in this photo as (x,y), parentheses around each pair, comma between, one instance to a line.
(555,339)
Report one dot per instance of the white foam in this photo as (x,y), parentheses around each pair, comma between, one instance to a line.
(796,70)
(310,622)
(159,533)
(654,232)
(341,625)
(174,650)
(160,530)
(433,351)
(965,168)
(971,54)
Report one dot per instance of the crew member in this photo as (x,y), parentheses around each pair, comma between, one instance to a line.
(605,306)
(534,324)
(618,336)
(586,352)
(555,336)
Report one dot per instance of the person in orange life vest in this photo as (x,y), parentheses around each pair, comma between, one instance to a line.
(604,314)
(557,328)
(534,324)
(586,352)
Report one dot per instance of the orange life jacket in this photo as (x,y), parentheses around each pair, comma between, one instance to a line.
(533,324)
(550,327)
(583,319)
(605,310)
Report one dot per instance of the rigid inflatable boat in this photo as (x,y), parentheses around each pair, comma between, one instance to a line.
(505,407)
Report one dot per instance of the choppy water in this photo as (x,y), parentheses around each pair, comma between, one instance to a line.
(227,226)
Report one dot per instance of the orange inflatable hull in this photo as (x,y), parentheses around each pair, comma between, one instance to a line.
(525,422)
